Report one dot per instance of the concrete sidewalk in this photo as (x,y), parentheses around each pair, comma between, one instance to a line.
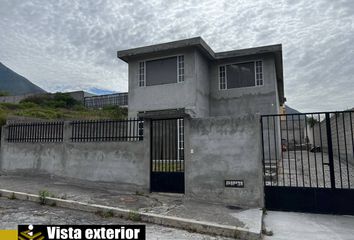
(306,226)
(114,195)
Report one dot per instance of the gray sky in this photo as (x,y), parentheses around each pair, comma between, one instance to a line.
(71,45)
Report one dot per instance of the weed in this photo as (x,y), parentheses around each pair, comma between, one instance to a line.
(139,193)
(64,196)
(105,214)
(267,232)
(12,196)
(43,195)
(134,216)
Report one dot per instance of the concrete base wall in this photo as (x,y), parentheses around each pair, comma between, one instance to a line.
(220,149)
(119,162)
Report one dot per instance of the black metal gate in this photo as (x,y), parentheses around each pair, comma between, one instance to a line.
(167,155)
(308,162)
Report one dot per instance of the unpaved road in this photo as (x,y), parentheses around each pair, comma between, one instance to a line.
(14,212)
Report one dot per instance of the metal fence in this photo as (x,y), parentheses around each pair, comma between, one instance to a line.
(107,130)
(35,132)
(117,99)
(309,150)
(308,162)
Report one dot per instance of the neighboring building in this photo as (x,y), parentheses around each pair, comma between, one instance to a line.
(342,133)
(116,99)
(188,75)
(293,128)
(79,95)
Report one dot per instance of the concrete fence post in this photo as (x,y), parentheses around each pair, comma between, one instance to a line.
(147,154)
(67,132)
(2,142)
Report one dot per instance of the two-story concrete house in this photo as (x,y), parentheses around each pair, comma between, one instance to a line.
(203,109)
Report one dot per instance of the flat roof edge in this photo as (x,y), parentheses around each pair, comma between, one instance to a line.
(249,51)
(190,42)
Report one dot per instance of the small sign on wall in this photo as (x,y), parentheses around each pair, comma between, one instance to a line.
(234,183)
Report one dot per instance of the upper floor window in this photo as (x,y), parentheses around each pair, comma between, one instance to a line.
(141,74)
(240,75)
(180,68)
(161,71)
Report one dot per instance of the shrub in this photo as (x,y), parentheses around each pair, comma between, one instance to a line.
(312,121)
(26,105)
(56,100)
(43,195)
(4,93)
(10,106)
(2,118)
(115,112)
(134,216)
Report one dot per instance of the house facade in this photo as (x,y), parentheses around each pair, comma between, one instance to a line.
(201,110)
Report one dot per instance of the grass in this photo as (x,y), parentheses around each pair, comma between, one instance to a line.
(166,166)
(58,106)
(105,214)
(134,216)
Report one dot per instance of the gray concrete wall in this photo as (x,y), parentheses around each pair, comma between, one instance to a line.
(14,99)
(247,100)
(166,96)
(202,66)
(224,148)
(119,162)
(343,142)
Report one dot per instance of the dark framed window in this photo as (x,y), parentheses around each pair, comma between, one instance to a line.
(238,75)
(161,71)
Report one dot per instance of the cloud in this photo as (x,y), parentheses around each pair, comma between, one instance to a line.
(71,45)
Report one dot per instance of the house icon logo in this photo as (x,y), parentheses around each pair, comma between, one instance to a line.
(30,234)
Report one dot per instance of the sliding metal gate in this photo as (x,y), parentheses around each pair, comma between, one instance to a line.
(308,162)
(167,155)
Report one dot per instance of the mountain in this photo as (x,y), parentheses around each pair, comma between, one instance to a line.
(15,84)
(290,110)
(99,91)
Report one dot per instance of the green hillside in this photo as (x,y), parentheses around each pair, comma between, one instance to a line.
(58,106)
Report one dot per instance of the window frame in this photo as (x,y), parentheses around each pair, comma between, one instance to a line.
(261,80)
(142,74)
(255,74)
(180,138)
(157,58)
(180,76)
(225,77)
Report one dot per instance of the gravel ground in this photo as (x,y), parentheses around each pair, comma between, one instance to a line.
(14,212)
(305,169)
